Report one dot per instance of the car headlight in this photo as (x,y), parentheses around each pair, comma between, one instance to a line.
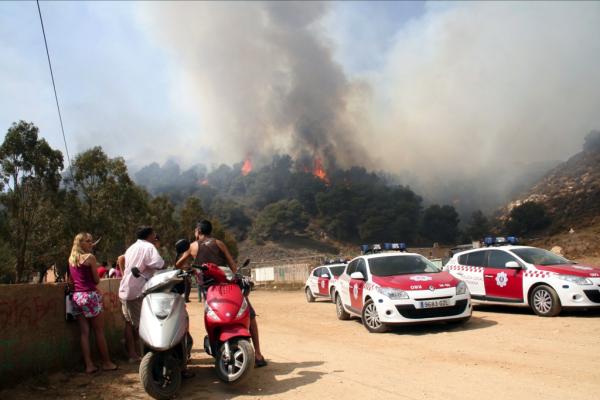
(461,288)
(575,279)
(161,306)
(210,313)
(394,294)
(242,308)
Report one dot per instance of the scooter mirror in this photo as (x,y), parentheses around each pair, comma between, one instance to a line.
(245,264)
(136,272)
(182,245)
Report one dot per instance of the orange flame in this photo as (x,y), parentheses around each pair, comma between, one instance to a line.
(204,182)
(247,167)
(319,171)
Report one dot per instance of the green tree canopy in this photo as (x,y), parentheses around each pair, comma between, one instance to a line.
(30,174)
(112,205)
(528,218)
(479,226)
(440,224)
(280,219)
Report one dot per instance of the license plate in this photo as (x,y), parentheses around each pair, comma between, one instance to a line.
(435,303)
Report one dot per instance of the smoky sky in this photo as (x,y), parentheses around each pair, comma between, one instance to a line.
(465,89)
(260,77)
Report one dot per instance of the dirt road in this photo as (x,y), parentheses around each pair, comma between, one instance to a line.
(502,353)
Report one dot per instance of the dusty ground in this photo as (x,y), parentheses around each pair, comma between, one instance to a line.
(501,353)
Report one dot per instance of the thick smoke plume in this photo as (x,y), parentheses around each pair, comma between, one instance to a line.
(488,88)
(469,92)
(260,77)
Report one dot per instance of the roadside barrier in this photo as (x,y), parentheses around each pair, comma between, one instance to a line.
(34,336)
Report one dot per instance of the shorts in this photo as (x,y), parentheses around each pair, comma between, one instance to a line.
(131,310)
(88,304)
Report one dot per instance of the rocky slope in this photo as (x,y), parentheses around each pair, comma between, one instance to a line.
(570,192)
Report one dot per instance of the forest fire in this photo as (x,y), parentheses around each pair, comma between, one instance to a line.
(247,167)
(319,171)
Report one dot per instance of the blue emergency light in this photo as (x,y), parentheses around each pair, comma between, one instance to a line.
(512,240)
(395,246)
(377,247)
(500,240)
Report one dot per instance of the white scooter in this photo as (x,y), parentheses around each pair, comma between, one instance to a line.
(164,331)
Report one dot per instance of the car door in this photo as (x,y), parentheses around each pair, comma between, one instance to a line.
(470,270)
(347,288)
(501,283)
(314,281)
(357,286)
(324,282)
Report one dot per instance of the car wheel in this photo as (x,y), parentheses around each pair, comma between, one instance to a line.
(370,318)
(545,301)
(339,309)
(309,296)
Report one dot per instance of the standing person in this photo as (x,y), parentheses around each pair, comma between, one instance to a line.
(114,271)
(83,275)
(143,255)
(102,270)
(207,249)
(113,268)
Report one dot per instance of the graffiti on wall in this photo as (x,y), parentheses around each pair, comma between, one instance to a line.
(34,336)
(25,313)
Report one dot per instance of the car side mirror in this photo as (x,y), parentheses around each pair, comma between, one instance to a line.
(512,265)
(136,272)
(326,276)
(357,275)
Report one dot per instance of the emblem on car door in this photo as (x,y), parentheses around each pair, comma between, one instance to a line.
(502,279)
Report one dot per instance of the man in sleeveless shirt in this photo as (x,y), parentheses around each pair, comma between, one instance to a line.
(207,249)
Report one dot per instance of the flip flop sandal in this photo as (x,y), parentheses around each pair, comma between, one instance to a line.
(260,363)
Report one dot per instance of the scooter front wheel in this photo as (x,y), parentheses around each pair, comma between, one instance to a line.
(160,374)
(236,366)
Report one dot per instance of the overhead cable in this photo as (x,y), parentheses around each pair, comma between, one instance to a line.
(54,87)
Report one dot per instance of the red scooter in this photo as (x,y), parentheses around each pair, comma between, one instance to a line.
(227,323)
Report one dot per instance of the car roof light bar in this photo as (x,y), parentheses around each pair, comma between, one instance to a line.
(336,261)
(500,240)
(378,247)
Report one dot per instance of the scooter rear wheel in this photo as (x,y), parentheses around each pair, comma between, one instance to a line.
(160,375)
(241,364)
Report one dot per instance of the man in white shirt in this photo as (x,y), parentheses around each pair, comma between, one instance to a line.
(143,255)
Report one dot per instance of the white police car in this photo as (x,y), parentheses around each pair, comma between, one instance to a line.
(321,281)
(525,276)
(395,287)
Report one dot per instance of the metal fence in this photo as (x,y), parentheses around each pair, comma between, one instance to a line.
(288,270)
(296,270)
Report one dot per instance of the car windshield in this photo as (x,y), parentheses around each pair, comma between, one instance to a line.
(540,256)
(337,271)
(401,265)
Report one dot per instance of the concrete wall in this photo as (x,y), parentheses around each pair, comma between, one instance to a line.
(34,336)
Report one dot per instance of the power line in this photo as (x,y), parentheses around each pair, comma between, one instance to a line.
(62,128)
